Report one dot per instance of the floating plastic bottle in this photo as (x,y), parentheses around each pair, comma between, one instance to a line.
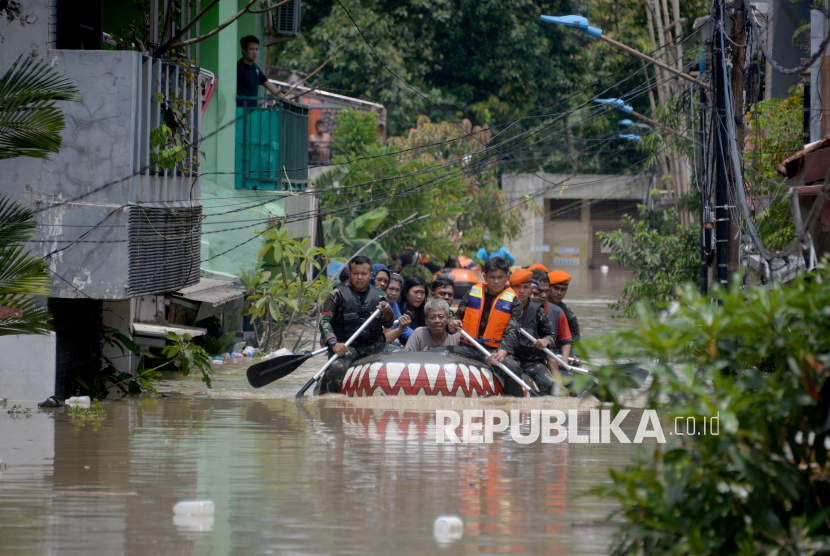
(194,507)
(448,528)
(79,401)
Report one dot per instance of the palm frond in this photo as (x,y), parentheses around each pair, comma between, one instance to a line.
(35,319)
(22,273)
(30,123)
(17,223)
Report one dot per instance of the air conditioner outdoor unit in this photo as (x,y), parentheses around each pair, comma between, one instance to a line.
(287,19)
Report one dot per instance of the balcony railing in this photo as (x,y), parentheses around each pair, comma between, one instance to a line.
(271,145)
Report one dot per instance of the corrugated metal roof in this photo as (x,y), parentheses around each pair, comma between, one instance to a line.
(215,292)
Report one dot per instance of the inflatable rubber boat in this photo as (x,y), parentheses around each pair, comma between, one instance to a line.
(420,373)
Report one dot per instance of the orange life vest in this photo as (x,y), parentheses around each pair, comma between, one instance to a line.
(500,315)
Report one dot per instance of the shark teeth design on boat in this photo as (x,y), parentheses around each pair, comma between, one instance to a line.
(347,379)
(355,374)
(476,374)
(393,373)
(414,371)
(449,376)
(431,371)
(373,374)
(488,374)
(465,372)
(360,374)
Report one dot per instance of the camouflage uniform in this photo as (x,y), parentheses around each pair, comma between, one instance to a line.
(534,363)
(509,341)
(572,322)
(370,341)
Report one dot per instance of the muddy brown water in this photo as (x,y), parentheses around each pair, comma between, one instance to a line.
(317,476)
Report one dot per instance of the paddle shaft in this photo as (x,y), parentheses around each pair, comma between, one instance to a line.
(309,356)
(503,367)
(334,357)
(556,358)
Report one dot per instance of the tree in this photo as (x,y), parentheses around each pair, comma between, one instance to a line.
(662,254)
(756,480)
(454,185)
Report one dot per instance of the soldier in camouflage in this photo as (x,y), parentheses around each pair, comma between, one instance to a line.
(535,321)
(346,308)
(559,281)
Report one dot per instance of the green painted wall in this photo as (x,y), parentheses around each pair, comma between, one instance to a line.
(223,230)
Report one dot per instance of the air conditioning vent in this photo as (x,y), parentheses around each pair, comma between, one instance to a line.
(165,248)
(287,19)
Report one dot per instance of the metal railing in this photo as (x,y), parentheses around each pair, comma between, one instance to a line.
(271,145)
(153,184)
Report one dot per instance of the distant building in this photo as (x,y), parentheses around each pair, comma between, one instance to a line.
(573,208)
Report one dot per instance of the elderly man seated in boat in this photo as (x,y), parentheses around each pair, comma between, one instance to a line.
(345,310)
(434,334)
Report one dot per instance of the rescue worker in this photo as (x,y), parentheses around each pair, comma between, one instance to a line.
(491,313)
(535,322)
(346,308)
(559,281)
(538,267)
(558,321)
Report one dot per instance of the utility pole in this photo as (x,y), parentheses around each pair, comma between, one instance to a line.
(738,55)
(721,144)
(705,210)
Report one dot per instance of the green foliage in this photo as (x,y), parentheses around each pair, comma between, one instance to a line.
(280,300)
(17,410)
(30,121)
(218,346)
(164,155)
(356,131)
(661,252)
(774,130)
(22,274)
(356,235)
(187,356)
(81,416)
(438,182)
(757,359)
(180,353)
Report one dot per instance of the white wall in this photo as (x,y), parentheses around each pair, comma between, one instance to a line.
(27,367)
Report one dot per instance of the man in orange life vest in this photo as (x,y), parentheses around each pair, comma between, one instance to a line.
(492,314)
(535,322)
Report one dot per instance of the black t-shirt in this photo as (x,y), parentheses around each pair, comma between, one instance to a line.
(248,80)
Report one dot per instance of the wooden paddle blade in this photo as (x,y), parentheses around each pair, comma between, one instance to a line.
(274,369)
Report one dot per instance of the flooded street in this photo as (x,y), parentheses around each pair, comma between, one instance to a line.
(316,476)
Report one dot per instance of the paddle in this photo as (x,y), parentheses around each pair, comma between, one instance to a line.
(334,357)
(503,367)
(556,358)
(268,371)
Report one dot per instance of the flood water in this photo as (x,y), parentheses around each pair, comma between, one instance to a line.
(318,476)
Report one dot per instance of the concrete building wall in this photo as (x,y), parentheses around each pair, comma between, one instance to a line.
(27,367)
(97,149)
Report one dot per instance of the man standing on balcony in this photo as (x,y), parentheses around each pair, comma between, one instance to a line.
(248,75)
